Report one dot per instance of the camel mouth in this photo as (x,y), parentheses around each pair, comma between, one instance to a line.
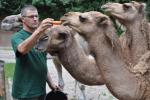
(75,28)
(39,49)
(64,22)
(107,10)
(67,23)
(53,52)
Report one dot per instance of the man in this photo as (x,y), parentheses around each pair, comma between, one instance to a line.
(30,76)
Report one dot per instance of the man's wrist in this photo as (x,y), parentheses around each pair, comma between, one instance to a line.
(37,33)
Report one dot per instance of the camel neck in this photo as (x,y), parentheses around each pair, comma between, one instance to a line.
(114,68)
(139,39)
(76,62)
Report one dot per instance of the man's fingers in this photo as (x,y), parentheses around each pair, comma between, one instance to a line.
(1,93)
(47,20)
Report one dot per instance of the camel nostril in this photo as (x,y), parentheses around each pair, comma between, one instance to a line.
(62,36)
(103,7)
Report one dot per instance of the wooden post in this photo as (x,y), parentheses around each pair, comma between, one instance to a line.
(2,81)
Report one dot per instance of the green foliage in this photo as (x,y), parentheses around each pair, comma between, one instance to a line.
(148,9)
(9,7)
(9,70)
(56,8)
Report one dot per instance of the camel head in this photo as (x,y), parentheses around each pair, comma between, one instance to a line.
(87,23)
(11,22)
(54,39)
(126,11)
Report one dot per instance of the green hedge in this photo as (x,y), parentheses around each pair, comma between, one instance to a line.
(56,8)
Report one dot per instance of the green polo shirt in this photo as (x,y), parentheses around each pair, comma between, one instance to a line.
(30,70)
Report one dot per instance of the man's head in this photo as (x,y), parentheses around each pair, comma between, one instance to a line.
(30,17)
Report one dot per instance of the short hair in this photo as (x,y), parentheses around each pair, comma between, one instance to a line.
(27,7)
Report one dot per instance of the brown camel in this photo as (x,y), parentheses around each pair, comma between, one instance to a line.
(99,32)
(60,40)
(132,15)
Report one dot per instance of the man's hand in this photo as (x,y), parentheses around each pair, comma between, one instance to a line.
(55,87)
(1,92)
(45,24)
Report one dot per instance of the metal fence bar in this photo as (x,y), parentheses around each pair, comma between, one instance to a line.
(2,81)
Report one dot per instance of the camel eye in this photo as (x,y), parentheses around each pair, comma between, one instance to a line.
(126,7)
(67,14)
(5,21)
(82,19)
(44,38)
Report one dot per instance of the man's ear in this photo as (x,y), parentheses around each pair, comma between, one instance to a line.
(22,19)
(19,18)
(102,21)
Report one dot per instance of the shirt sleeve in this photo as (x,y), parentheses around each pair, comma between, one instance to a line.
(15,41)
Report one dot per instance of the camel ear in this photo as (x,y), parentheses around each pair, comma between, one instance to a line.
(139,6)
(102,21)
(142,7)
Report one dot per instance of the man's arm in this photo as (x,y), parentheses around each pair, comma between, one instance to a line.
(28,44)
(51,84)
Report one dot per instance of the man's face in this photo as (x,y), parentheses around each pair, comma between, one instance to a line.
(31,20)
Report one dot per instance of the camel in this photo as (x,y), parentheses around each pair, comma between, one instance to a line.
(98,31)
(60,41)
(132,15)
(59,66)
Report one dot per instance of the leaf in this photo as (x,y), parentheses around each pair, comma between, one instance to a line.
(65,1)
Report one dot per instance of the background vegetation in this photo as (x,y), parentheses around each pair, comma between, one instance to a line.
(9,70)
(56,8)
